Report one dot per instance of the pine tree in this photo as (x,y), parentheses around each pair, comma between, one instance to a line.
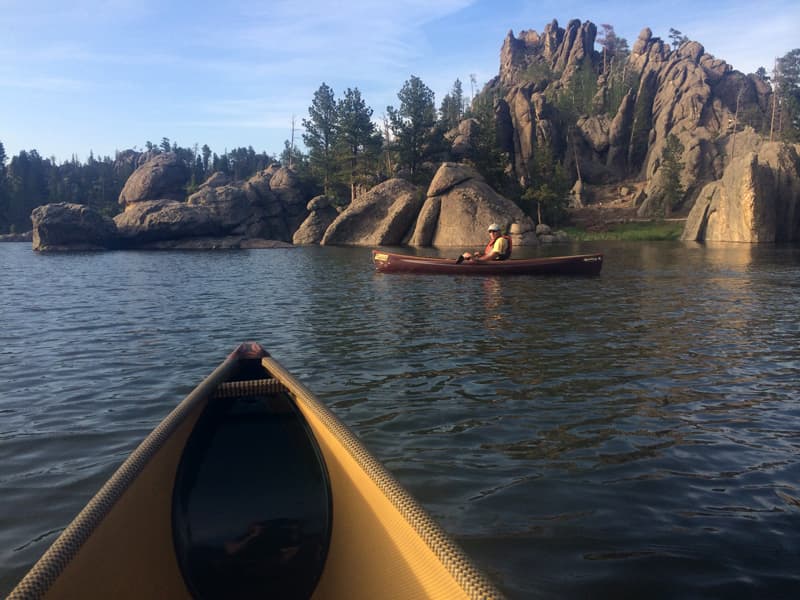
(672,167)
(549,188)
(413,123)
(320,135)
(358,143)
(206,157)
(484,152)
(678,39)
(4,199)
(787,96)
(452,107)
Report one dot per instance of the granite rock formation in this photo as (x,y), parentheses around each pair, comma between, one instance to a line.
(684,92)
(459,205)
(266,206)
(381,217)
(162,177)
(756,200)
(65,226)
(321,213)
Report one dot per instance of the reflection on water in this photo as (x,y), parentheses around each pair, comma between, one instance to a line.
(631,434)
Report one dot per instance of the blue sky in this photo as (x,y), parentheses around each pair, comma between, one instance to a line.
(110,75)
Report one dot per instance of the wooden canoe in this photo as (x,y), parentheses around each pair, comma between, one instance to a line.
(581,264)
(249,488)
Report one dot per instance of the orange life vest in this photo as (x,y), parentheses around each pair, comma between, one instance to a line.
(504,255)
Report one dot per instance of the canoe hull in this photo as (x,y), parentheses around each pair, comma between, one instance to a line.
(582,264)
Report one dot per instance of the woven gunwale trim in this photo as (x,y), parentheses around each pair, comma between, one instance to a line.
(53,562)
(253,387)
(474,583)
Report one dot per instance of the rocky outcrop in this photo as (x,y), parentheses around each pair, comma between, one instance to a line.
(460,205)
(64,226)
(248,208)
(621,135)
(160,220)
(381,217)
(321,213)
(267,206)
(163,177)
(284,185)
(756,200)
(220,214)
(463,138)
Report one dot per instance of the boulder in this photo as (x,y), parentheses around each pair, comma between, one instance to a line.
(381,217)
(64,226)
(216,179)
(595,131)
(321,213)
(285,185)
(756,200)
(459,207)
(159,220)
(163,177)
(464,138)
(227,204)
(251,208)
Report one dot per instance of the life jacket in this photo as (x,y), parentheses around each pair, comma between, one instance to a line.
(503,255)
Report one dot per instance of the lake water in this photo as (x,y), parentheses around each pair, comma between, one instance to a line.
(627,435)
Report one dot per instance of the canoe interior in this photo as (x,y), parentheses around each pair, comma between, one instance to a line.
(251,486)
(235,530)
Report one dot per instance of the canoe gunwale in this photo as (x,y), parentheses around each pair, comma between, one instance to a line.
(460,566)
(47,569)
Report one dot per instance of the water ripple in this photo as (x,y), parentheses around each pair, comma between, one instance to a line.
(580,437)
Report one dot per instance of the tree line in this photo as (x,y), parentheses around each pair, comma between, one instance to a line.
(29,180)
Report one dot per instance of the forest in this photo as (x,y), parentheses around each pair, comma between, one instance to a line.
(345,150)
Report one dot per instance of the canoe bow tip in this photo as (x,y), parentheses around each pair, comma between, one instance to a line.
(250,350)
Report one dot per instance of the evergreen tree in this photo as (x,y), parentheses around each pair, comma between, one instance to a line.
(4,199)
(320,135)
(165,146)
(614,47)
(672,166)
(678,39)
(786,121)
(452,107)
(548,191)
(206,156)
(358,143)
(27,175)
(291,155)
(413,123)
(484,152)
